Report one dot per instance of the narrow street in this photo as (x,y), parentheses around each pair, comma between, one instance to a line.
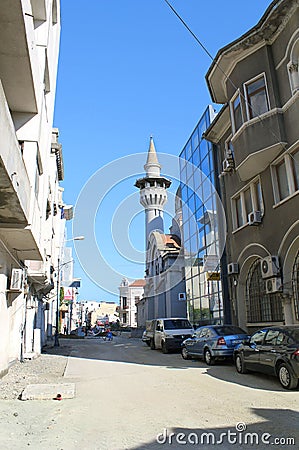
(127,395)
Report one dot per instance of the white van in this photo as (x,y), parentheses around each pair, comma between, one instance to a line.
(168,333)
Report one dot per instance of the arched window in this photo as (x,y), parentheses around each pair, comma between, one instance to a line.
(295,282)
(293,68)
(261,307)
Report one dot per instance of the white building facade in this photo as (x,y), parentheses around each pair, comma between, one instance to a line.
(130,294)
(31,167)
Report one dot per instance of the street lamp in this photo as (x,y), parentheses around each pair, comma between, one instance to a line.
(56,340)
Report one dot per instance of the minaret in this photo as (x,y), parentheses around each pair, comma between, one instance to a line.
(153,195)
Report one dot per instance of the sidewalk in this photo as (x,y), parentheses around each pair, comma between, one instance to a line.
(48,368)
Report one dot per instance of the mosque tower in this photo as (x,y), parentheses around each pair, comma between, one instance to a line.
(153,194)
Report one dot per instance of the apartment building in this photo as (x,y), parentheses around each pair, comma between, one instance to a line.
(31,167)
(256,135)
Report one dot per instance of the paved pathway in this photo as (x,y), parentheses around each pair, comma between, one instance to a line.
(128,395)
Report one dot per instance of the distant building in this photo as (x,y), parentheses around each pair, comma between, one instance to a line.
(105,312)
(130,294)
(88,312)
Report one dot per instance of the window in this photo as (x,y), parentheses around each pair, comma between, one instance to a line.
(295,167)
(295,284)
(236,111)
(282,180)
(257,102)
(271,337)
(259,199)
(239,212)
(261,307)
(124,317)
(285,176)
(248,200)
(293,68)
(258,337)
(229,148)
(124,302)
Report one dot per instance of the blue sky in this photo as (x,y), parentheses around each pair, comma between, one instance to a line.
(128,69)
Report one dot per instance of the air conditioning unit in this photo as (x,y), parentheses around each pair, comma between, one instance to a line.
(273,285)
(228,165)
(16,279)
(232,268)
(254,218)
(182,296)
(270,266)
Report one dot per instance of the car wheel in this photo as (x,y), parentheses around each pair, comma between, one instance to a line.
(152,344)
(209,359)
(240,365)
(184,353)
(164,347)
(286,377)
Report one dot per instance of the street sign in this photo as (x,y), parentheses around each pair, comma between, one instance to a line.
(68,293)
(213,276)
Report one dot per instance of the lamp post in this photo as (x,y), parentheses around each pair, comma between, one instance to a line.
(56,340)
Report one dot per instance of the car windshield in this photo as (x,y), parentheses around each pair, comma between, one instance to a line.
(295,334)
(228,330)
(176,324)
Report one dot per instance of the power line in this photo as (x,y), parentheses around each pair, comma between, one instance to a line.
(261,119)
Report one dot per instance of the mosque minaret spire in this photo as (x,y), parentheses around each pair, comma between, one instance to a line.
(153,192)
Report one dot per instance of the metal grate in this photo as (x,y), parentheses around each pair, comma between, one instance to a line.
(261,307)
(295,283)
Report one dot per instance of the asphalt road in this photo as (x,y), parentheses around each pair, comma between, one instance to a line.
(131,397)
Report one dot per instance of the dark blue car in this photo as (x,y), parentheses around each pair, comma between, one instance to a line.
(274,351)
(213,342)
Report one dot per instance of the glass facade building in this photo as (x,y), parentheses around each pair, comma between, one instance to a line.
(200,226)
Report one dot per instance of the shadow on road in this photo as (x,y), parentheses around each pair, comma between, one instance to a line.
(277,428)
(133,351)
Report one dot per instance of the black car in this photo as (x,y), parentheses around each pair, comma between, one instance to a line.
(274,351)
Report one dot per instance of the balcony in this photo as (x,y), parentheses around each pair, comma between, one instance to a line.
(39,273)
(19,212)
(258,142)
(14,181)
(25,240)
(18,56)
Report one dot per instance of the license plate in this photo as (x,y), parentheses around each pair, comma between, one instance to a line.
(236,341)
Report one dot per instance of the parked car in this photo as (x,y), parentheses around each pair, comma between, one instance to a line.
(274,351)
(168,333)
(145,338)
(213,342)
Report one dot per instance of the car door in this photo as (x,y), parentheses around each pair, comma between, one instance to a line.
(252,350)
(269,349)
(191,343)
(201,342)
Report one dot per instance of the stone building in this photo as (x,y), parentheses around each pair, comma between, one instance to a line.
(256,134)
